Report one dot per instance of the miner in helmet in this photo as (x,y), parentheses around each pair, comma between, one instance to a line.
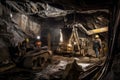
(97,45)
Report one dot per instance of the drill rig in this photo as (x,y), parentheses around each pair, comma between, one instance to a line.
(74,43)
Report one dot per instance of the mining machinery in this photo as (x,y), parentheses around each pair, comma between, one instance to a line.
(75,44)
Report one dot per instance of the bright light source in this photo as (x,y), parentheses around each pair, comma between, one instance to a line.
(11,15)
(61,36)
(38,37)
(69,45)
(75,43)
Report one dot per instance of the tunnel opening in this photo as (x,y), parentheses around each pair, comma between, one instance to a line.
(57,42)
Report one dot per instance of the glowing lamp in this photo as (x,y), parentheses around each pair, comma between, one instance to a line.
(38,37)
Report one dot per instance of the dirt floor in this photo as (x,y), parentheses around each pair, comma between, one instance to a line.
(57,65)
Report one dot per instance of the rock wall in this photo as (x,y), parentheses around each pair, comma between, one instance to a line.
(28,26)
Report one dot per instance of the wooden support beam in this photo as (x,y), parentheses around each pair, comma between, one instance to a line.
(94,31)
(99,30)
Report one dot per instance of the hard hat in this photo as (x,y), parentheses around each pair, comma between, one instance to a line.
(96,36)
(27,39)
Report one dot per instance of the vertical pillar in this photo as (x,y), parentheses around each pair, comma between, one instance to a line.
(49,41)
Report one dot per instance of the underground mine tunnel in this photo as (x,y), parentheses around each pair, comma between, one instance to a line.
(59,39)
